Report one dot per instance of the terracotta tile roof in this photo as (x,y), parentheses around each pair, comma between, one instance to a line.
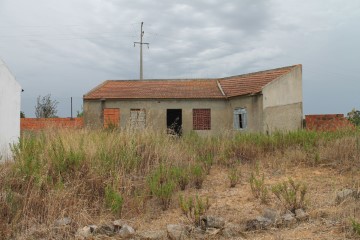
(187,88)
(156,89)
(251,83)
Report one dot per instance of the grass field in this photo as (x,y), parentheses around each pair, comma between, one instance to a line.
(94,176)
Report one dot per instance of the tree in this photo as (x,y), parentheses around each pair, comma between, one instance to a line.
(354,117)
(80,113)
(22,114)
(45,107)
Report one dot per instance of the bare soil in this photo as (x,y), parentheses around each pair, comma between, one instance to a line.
(237,205)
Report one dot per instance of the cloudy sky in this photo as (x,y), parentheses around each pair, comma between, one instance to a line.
(67,47)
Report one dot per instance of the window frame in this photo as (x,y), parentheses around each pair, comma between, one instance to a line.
(240,114)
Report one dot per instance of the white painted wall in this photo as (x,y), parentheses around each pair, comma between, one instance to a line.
(10,91)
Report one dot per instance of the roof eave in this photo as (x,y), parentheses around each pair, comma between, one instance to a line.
(157,98)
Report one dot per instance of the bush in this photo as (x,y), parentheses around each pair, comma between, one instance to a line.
(162,186)
(194,209)
(290,194)
(207,161)
(355,226)
(113,200)
(180,176)
(258,187)
(198,175)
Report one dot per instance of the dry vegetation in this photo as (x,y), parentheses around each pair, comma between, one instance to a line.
(95,176)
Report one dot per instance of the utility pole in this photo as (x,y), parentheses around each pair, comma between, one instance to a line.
(141,54)
(71,107)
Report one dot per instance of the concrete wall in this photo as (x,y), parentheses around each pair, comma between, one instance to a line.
(221,112)
(221,118)
(10,91)
(253,106)
(282,103)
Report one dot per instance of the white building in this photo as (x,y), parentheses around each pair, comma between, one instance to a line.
(10,91)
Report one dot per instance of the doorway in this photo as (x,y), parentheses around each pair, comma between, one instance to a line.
(174,121)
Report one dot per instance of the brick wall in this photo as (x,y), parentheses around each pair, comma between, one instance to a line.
(201,119)
(41,123)
(327,122)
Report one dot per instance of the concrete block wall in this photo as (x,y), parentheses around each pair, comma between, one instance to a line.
(327,122)
(41,123)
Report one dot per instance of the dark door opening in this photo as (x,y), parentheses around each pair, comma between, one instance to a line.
(174,121)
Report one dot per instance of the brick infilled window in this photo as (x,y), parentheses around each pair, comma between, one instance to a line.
(137,118)
(201,119)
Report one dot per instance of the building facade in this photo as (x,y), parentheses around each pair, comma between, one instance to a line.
(10,91)
(265,101)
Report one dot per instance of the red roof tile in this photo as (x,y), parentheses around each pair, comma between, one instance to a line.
(156,89)
(186,88)
(251,83)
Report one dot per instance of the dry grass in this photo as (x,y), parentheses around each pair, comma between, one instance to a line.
(65,173)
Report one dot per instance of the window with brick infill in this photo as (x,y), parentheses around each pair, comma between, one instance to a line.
(201,119)
(137,118)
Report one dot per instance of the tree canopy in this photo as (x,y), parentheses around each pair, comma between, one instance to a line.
(354,117)
(45,107)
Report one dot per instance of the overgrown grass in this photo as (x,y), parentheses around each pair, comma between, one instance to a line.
(95,174)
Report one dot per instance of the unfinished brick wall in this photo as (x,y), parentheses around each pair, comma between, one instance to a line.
(111,117)
(327,122)
(41,123)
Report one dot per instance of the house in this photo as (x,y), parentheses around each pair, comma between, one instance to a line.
(263,101)
(10,91)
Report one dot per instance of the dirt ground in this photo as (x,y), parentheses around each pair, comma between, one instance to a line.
(327,220)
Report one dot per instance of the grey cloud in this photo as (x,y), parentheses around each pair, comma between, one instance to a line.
(67,47)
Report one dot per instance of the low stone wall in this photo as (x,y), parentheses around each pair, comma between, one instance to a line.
(41,123)
(327,122)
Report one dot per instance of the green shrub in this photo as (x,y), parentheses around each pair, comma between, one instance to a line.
(65,161)
(27,155)
(113,200)
(194,209)
(180,176)
(291,194)
(162,186)
(355,226)
(207,161)
(234,176)
(198,175)
(258,188)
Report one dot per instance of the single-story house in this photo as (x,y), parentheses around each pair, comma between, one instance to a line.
(263,101)
(10,92)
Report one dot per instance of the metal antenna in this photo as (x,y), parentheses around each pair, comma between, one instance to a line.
(141,54)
